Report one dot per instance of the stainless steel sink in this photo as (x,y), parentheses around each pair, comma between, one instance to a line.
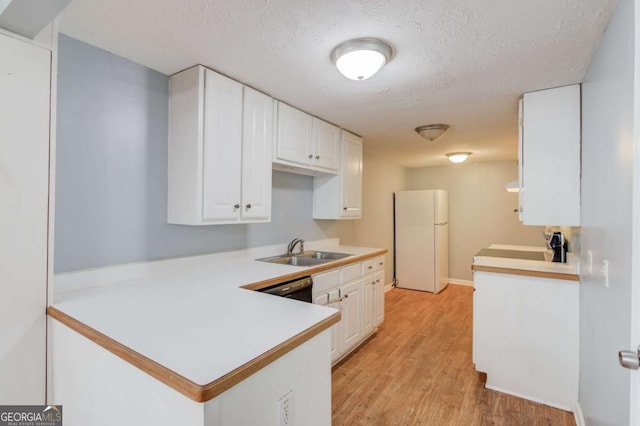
(307,258)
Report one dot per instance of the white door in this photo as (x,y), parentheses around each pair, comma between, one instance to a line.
(351,175)
(378,298)
(351,314)
(257,142)
(369,304)
(222,148)
(634,340)
(326,145)
(415,240)
(294,135)
(24,190)
(336,334)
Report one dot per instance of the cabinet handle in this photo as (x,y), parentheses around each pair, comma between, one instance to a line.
(317,157)
(310,156)
(346,296)
(381,263)
(248,206)
(350,208)
(369,267)
(515,210)
(378,281)
(237,206)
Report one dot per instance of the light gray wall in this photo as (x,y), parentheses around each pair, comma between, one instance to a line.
(111,173)
(481,211)
(380,180)
(607,177)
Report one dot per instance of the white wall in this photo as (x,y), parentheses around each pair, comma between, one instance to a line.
(380,180)
(607,176)
(481,211)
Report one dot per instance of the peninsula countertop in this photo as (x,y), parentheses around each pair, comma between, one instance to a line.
(524,260)
(189,322)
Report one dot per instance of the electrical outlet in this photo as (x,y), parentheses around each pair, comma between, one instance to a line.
(285,409)
(589,262)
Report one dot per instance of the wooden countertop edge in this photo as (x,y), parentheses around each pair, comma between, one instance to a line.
(190,389)
(303,272)
(526,272)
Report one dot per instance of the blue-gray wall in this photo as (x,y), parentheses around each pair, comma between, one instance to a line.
(111,173)
(607,220)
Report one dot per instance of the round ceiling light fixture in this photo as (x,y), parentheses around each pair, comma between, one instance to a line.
(458,157)
(360,58)
(432,132)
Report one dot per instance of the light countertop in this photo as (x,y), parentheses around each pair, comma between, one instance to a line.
(484,261)
(192,316)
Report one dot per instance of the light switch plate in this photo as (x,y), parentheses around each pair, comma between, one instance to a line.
(605,273)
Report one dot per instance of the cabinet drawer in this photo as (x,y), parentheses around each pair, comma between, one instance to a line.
(351,272)
(367,266)
(325,281)
(378,263)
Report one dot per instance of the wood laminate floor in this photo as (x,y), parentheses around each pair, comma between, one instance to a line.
(417,370)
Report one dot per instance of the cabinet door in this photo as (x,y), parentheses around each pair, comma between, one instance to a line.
(378,297)
(257,142)
(294,135)
(326,145)
(369,304)
(336,333)
(222,147)
(520,161)
(551,157)
(351,175)
(351,314)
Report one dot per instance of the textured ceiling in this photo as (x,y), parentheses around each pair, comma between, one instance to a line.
(460,62)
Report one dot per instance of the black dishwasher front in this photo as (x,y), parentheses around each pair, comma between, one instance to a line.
(298,289)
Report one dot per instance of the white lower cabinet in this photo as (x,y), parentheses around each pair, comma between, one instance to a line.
(526,336)
(352,314)
(354,291)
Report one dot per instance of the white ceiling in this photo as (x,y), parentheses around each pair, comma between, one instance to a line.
(460,62)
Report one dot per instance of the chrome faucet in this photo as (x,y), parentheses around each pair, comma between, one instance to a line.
(292,245)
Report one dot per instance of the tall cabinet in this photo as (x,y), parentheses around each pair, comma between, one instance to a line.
(340,197)
(220,144)
(25,74)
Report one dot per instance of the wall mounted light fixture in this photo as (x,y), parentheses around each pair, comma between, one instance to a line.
(512,186)
(361,58)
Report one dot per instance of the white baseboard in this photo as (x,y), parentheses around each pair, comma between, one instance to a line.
(388,287)
(460,282)
(522,396)
(578,416)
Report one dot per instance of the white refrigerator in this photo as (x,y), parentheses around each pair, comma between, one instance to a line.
(422,239)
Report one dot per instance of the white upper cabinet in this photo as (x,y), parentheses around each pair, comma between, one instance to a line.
(257,145)
(222,148)
(220,142)
(550,157)
(305,144)
(294,135)
(326,145)
(340,197)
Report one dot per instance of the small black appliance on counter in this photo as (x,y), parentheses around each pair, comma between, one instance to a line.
(558,244)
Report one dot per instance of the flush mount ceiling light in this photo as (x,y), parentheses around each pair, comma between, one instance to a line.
(360,58)
(458,157)
(432,132)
